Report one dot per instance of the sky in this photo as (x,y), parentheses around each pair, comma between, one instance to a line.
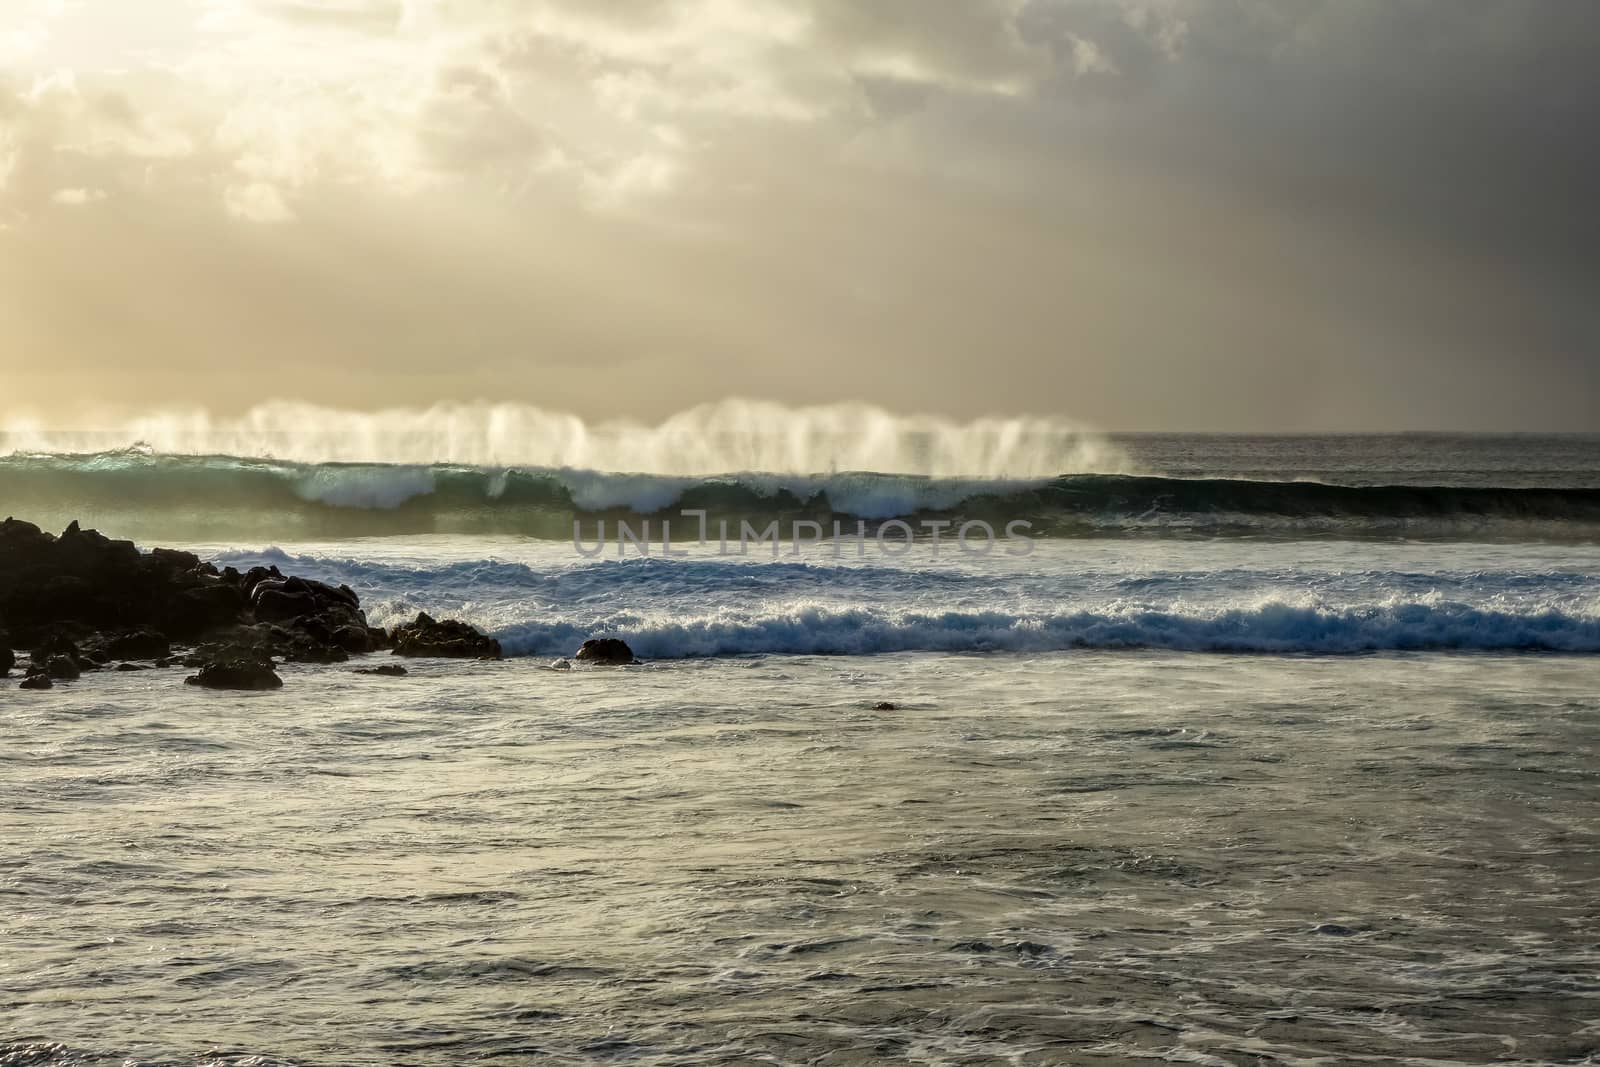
(1248,215)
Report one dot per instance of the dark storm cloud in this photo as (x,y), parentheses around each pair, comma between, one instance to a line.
(1145,213)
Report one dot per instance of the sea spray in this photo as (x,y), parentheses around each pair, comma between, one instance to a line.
(721,438)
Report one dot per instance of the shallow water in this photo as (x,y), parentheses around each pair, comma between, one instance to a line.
(1066,857)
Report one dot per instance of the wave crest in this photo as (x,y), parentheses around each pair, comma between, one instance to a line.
(720,438)
(1273,627)
(154,497)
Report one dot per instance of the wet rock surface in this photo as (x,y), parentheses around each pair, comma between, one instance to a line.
(82,601)
(606,652)
(239,673)
(449,639)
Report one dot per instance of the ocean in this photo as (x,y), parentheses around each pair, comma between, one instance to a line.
(1202,749)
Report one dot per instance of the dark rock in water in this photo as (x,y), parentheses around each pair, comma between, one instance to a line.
(201,608)
(37,681)
(273,603)
(90,583)
(90,550)
(276,598)
(356,639)
(606,651)
(56,643)
(388,670)
(236,674)
(972,946)
(60,668)
(1029,948)
(298,646)
(255,576)
(17,536)
(449,639)
(171,562)
(264,641)
(126,667)
(884,705)
(98,601)
(1332,929)
(142,643)
(328,615)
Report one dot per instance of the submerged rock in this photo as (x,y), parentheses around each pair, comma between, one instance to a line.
(60,668)
(884,705)
(450,639)
(388,670)
(237,674)
(605,651)
(37,681)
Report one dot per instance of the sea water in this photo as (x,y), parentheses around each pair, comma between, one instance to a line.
(1183,784)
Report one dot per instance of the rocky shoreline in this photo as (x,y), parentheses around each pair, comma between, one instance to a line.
(83,602)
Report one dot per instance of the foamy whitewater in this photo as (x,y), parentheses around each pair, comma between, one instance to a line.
(1243,750)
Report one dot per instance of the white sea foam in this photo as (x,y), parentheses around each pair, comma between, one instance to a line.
(1271,628)
(725,437)
(1236,598)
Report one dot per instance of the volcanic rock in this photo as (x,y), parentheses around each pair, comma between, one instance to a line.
(605,651)
(60,668)
(242,673)
(143,643)
(449,639)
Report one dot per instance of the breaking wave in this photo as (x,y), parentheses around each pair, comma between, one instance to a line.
(153,496)
(1269,628)
(703,607)
(730,435)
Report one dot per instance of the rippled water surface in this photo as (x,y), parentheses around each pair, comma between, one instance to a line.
(1072,857)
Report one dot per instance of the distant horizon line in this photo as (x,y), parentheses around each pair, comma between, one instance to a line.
(1109,432)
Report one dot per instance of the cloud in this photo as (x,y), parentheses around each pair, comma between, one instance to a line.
(257,202)
(1140,206)
(617,101)
(29,34)
(973,45)
(355,16)
(78,197)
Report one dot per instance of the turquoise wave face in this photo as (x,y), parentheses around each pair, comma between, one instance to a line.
(188,498)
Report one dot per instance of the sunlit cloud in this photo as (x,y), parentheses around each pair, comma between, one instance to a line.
(1113,203)
(78,197)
